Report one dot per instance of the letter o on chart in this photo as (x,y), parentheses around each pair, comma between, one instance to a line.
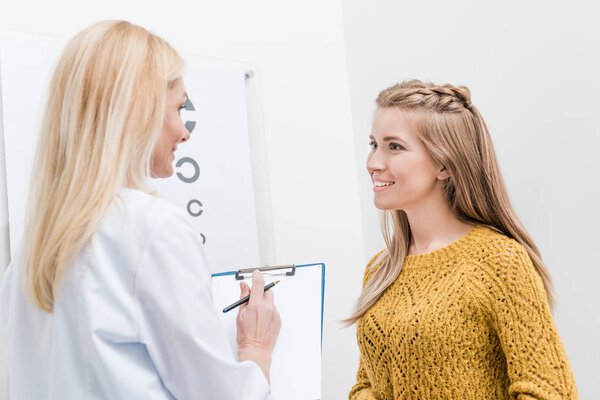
(196,169)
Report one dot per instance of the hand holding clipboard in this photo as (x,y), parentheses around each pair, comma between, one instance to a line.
(258,324)
(296,360)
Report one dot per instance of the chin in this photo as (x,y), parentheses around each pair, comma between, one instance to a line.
(388,206)
(382,206)
(164,173)
(167,174)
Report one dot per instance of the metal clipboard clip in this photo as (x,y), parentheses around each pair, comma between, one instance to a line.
(288,270)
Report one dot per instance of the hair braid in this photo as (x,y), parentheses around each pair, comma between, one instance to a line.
(429,96)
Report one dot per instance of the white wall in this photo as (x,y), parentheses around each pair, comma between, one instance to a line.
(299,49)
(533,69)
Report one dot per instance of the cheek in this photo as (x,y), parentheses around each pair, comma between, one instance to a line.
(173,130)
(404,170)
(414,175)
(173,127)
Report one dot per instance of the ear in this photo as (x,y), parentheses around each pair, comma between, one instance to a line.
(443,174)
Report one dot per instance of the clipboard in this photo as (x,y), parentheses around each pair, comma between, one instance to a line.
(299,297)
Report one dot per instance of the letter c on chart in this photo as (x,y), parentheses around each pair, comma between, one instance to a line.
(195,166)
(198,211)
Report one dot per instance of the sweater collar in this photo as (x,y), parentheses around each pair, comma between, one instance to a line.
(446,254)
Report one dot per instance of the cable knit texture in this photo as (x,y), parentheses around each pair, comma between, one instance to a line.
(468,321)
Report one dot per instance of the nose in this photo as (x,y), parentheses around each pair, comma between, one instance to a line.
(186,136)
(374,162)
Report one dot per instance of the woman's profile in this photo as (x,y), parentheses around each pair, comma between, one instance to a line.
(458,303)
(109,296)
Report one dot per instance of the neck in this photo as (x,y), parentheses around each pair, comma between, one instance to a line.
(433,225)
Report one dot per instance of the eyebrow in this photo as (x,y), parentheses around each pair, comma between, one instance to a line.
(390,138)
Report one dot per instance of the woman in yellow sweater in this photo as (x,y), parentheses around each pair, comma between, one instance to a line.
(458,304)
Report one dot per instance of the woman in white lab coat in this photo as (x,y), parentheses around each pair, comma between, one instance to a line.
(109,296)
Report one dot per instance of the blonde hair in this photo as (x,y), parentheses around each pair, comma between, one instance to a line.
(104,113)
(456,137)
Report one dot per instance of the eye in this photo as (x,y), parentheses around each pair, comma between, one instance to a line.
(396,146)
(181,107)
(372,144)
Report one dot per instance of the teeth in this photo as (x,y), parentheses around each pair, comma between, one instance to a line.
(382,184)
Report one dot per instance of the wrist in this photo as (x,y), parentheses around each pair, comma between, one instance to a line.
(260,356)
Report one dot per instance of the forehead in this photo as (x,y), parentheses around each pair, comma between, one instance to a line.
(391,121)
(177,89)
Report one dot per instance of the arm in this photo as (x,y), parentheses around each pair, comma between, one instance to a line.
(362,388)
(537,364)
(178,323)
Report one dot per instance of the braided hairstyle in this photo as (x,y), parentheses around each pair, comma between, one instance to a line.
(457,138)
(415,94)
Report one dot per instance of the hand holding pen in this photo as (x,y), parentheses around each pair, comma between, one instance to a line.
(245,299)
(258,323)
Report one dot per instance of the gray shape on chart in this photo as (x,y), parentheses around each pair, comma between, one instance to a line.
(190,125)
(194,164)
(189,105)
(194,213)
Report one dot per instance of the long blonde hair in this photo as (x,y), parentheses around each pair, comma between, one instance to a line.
(104,113)
(456,137)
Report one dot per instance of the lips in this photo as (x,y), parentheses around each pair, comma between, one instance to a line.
(379,185)
(383,184)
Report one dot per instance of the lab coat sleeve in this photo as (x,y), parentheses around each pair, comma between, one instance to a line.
(178,323)
(5,320)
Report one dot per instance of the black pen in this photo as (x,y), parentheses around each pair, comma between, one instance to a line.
(245,299)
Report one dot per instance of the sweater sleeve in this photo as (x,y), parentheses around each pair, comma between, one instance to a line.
(362,388)
(516,302)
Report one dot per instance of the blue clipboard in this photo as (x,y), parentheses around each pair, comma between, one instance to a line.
(299,297)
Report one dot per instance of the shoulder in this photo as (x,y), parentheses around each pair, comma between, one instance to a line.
(143,204)
(145,230)
(503,266)
(374,264)
(134,216)
(137,206)
(491,247)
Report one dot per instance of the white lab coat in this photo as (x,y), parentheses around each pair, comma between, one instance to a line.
(133,318)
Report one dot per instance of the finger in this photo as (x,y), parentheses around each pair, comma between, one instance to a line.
(277,318)
(258,287)
(244,289)
(269,296)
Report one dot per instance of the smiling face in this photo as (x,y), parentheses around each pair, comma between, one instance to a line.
(401,168)
(173,132)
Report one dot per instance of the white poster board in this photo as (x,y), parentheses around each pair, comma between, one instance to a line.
(213,172)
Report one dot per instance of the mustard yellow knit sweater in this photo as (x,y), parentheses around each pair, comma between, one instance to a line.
(468,321)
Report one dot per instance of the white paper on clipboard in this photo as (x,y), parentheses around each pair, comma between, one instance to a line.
(296,362)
